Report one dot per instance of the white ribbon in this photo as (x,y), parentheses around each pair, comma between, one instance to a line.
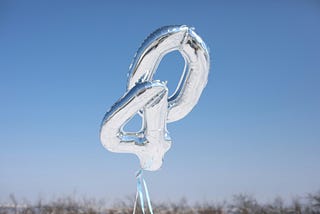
(142,190)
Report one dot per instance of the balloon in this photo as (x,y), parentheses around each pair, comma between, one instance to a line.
(151,143)
(195,75)
(149,97)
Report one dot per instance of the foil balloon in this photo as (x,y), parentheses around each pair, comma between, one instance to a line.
(149,97)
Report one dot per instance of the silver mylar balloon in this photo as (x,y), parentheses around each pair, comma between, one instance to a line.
(151,142)
(195,75)
(150,99)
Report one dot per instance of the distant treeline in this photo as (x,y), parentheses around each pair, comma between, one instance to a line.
(240,204)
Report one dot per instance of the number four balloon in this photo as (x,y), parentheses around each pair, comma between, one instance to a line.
(149,97)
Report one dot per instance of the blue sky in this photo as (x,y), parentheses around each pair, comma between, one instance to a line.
(255,129)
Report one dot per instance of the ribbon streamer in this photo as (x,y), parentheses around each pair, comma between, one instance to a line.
(142,190)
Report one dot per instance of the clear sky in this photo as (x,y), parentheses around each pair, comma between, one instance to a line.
(255,130)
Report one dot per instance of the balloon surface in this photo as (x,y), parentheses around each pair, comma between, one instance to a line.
(150,99)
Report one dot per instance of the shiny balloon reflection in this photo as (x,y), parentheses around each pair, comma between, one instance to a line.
(150,99)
